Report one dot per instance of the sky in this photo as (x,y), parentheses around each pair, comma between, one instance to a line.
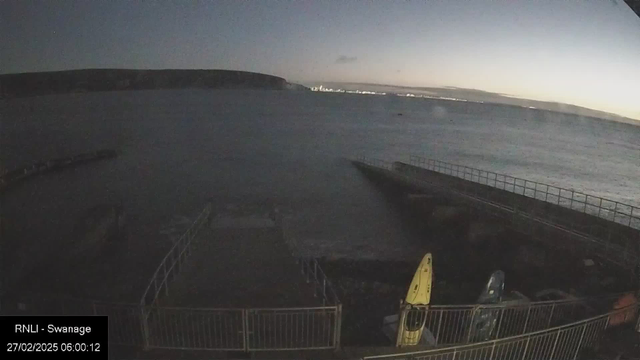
(582,52)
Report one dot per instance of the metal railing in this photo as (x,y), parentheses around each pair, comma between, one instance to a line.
(237,329)
(457,324)
(245,329)
(196,329)
(321,284)
(172,262)
(309,265)
(305,328)
(293,328)
(168,269)
(609,241)
(225,329)
(611,210)
(560,343)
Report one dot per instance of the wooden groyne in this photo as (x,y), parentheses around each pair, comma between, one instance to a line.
(15,176)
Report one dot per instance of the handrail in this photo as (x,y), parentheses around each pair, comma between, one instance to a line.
(594,205)
(493,344)
(593,233)
(450,325)
(313,271)
(182,246)
(309,265)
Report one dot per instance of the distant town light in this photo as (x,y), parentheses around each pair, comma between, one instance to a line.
(322,88)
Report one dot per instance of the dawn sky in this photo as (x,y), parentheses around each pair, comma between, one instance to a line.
(580,52)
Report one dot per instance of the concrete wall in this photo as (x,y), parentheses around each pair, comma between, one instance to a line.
(582,222)
(537,218)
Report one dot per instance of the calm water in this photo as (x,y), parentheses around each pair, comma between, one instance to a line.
(180,148)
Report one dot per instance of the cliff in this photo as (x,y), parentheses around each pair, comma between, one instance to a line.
(297,87)
(60,82)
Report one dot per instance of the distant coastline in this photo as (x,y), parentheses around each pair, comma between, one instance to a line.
(474,96)
(90,80)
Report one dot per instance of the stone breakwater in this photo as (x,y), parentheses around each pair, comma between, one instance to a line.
(15,176)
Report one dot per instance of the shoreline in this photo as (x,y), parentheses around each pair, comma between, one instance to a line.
(97,80)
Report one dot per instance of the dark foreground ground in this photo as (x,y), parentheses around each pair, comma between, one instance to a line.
(369,289)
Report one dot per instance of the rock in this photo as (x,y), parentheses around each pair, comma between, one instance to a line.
(588,262)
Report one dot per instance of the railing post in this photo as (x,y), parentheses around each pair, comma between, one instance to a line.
(493,349)
(584,327)
(571,203)
(555,343)
(500,323)
(526,347)
(526,321)
(245,329)
(553,307)
(324,290)
(337,333)
(615,212)
(475,309)
(144,326)
(402,318)
(599,207)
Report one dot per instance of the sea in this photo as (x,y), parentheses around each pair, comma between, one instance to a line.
(179,149)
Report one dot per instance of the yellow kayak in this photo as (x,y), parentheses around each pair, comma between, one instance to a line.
(419,294)
(420,288)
